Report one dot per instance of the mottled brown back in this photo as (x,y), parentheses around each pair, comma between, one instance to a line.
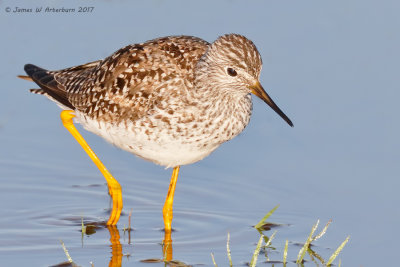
(131,77)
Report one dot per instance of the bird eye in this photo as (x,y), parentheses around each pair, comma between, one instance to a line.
(231,72)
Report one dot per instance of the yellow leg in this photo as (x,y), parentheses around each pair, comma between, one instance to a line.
(113,185)
(167,210)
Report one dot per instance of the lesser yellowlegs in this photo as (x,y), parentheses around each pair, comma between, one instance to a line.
(171,100)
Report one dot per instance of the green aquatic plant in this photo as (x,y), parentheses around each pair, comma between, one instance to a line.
(213,260)
(83,227)
(307,244)
(268,243)
(285,252)
(228,251)
(253,261)
(337,251)
(263,225)
(263,221)
(67,254)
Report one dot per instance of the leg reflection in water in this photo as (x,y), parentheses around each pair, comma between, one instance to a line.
(116,246)
(167,247)
(116,258)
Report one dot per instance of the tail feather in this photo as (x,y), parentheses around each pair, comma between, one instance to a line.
(49,86)
(43,92)
(38,91)
(54,84)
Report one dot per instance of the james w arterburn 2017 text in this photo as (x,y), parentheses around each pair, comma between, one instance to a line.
(52,10)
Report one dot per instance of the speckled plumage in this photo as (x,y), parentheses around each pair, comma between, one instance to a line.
(168,100)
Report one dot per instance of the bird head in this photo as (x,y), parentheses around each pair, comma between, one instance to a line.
(233,65)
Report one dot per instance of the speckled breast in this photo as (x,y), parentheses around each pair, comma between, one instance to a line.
(174,142)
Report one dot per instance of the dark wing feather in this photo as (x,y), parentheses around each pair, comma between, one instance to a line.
(46,81)
(53,83)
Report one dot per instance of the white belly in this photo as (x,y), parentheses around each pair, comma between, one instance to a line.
(161,149)
(173,143)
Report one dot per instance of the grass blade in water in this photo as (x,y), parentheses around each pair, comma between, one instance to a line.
(66,252)
(285,252)
(336,253)
(323,231)
(263,220)
(212,257)
(256,252)
(228,251)
(303,250)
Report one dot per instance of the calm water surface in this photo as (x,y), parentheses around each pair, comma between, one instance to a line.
(46,204)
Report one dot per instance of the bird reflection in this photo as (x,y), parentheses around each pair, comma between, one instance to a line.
(116,246)
(167,246)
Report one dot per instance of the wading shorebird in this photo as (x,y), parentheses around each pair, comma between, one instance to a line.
(170,100)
